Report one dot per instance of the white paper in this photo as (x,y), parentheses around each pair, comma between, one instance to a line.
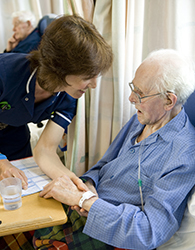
(36,178)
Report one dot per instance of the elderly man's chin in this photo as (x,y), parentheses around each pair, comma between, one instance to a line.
(140,117)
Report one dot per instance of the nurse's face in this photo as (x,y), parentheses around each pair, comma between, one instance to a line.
(78,85)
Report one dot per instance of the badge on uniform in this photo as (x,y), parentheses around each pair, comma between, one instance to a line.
(5,105)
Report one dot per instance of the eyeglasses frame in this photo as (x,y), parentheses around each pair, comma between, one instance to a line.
(139,97)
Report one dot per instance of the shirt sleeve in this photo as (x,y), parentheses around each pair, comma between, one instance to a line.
(65,111)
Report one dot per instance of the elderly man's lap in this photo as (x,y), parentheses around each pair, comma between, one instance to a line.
(69,234)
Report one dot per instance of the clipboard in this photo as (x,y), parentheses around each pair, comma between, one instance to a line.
(35,213)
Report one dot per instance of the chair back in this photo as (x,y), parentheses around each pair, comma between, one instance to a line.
(189,107)
(44,22)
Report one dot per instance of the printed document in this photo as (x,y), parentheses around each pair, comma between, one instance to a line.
(36,178)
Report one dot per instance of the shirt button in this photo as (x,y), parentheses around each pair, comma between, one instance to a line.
(132,150)
(26,99)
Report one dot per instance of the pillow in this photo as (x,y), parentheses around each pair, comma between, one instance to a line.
(184,238)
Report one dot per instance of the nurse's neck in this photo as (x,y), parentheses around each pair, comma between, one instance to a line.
(41,94)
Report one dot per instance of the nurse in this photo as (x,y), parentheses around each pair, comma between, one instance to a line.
(46,85)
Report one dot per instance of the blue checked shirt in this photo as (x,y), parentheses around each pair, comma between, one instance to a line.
(167,174)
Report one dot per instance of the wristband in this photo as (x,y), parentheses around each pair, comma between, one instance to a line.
(87,195)
(2,157)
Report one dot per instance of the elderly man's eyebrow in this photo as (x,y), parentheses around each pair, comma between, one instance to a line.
(137,89)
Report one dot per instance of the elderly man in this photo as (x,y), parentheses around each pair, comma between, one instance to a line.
(26,36)
(137,192)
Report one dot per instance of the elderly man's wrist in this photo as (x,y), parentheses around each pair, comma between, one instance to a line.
(88,203)
(86,196)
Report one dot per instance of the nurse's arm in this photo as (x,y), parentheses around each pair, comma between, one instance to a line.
(45,154)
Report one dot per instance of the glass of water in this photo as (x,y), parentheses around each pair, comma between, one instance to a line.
(11,191)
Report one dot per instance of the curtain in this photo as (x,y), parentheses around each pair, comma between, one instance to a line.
(133,28)
(169,24)
(77,142)
(110,108)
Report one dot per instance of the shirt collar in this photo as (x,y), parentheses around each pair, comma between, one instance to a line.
(29,81)
(168,131)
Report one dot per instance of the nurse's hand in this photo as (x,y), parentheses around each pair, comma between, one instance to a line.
(8,170)
(78,182)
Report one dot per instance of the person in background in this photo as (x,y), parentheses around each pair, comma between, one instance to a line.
(46,85)
(26,36)
(136,194)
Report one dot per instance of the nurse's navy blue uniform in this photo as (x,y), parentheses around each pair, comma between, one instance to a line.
(17,87)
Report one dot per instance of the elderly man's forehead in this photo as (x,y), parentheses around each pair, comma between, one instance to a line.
(16,20)
(148,69)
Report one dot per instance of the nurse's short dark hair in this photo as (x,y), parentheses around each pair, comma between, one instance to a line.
(70,46)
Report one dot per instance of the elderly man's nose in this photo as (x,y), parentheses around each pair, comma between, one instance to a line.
(133,98)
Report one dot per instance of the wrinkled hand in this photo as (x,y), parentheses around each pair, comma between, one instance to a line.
(63,190)
(81,211)
(12,43)
(8,170)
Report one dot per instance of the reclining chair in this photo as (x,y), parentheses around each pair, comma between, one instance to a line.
(189,107)
(44,22)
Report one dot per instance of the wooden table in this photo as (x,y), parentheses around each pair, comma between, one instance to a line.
(35,212)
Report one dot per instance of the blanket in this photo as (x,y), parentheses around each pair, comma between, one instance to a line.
(19,241)
(69,235)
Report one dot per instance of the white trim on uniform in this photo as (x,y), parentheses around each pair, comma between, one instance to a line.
(63,116)
(29,79)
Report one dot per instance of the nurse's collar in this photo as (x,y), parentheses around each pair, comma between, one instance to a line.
(29,79)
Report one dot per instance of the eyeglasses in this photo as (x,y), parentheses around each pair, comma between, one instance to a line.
(139,98)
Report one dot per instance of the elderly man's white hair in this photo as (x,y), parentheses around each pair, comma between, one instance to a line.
(25,16)
(176,73)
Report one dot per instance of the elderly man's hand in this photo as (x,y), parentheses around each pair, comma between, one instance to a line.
(80,211)
(64,190)
(8,170)
(12,43)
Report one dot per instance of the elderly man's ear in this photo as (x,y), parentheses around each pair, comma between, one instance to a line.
(170,101)
(29,23)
